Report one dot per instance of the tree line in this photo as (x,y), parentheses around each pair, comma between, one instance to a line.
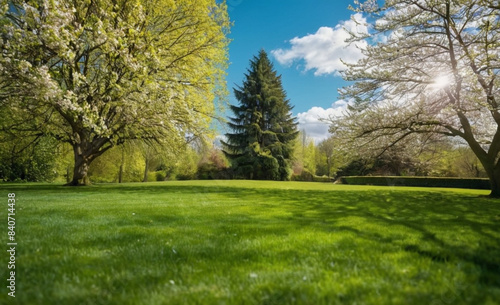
(49,160)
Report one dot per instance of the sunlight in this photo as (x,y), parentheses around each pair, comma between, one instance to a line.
(441,82)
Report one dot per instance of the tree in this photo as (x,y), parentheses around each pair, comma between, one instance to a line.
(96,74)
(261,146)
(309,156)
(432,70)
(326,149)
(304,155)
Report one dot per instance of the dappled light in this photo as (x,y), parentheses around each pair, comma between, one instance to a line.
(245,242)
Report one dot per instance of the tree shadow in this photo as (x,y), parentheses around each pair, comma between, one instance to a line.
(430,216)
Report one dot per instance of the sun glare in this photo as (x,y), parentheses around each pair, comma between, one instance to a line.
(441,82)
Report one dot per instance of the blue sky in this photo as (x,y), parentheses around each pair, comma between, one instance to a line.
(305,40)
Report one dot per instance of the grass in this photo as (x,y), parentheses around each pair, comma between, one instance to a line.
(252,242)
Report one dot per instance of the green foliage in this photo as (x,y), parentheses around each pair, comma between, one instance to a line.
(453,161)
(160,176)
(96,74)
(393,163)
(324,179)
(180,164)
(329,157)
(28,159)
(305,175)
(255,242)
(187,164)
(309,156)
(213,165)
(64,163)
(358,167)
(261,145)
(107,167)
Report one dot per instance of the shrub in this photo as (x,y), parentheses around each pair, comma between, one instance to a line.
(305,175)
(322,179)
(160,176)
(185,177)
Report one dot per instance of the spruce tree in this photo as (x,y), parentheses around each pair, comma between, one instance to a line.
(261,144)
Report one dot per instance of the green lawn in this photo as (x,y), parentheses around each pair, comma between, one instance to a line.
(246,242)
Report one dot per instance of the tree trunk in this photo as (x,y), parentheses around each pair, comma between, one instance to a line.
(120,174)
(490,165)
(85,151)
(494,176)
(328,163)
(81,169)
(68,177)
(494,182)
(146,170)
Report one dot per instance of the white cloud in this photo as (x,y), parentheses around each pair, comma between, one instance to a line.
(311,120)
(324,50)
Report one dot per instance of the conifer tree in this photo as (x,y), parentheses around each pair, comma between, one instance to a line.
(261,144)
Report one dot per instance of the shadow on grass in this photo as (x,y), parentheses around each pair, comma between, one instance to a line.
(432,215)
(166,241)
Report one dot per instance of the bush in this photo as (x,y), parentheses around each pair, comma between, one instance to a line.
(470,183)
(213,165)
(160,176)
(185,177)
(305,175)
(322,179)
(206,171)
(209,171)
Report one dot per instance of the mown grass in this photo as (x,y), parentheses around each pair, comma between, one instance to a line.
(248,242)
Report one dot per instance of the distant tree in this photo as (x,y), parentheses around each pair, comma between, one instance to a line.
(124,163)
(433,70)
(96,74)
(261,144)
(326,149)
(185,168)
(152,155)
(453,160)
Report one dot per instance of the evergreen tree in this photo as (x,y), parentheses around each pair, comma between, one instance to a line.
(261,144)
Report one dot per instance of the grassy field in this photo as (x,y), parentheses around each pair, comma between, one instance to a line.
(247,242)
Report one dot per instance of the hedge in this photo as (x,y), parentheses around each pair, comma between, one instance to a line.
(307,176)
(322,179)
(469,183)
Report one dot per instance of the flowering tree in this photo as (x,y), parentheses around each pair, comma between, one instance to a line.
(432,69)
(97,73)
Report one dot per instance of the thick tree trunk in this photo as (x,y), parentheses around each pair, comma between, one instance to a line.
(80,172)
(495,183)
(85,151)
(493,173)
(489,163)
